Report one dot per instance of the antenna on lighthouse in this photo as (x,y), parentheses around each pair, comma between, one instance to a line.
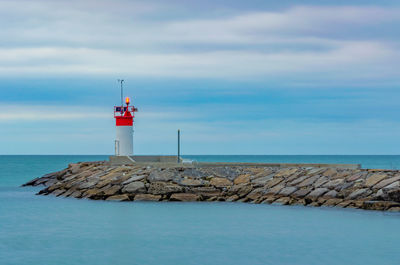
(121,81)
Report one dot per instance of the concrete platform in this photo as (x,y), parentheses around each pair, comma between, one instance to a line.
(171,161)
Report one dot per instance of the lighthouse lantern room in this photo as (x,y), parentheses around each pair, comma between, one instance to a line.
(124,122)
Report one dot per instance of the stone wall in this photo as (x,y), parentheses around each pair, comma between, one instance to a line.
(351,188)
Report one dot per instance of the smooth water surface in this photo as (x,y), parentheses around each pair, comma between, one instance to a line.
(50,230)
(366,161)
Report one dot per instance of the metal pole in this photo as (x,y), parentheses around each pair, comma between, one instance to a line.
(122,91)
(179,145)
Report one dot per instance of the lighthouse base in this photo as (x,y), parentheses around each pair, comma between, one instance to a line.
(128,160)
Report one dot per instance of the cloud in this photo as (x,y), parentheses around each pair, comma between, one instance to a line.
(301,42)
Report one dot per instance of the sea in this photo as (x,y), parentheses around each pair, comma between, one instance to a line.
(53,230)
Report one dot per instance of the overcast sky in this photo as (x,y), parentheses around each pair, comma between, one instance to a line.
(237,77)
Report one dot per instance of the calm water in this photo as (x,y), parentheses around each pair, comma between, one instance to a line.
(49,230)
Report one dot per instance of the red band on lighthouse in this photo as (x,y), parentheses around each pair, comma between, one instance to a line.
(124,121)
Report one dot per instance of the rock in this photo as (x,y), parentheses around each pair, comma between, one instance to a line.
(274,190)
(344,204)
(92,194)
(332,202)
(320,181)
(286,172)
(220,182)
(394,185)
(374,179)
(269,199)
(315,171)
(386,182)
(287,191)
(318,192)
(298,180)
(147,197)
(308,181)
(74,168)
(261,172)
(341,175)
(273,182)
(76,194)
(185,197)
(394,209)
(333,183)
(191,182)
(50,182)
(119,198)
(302,192)
(258,182)
(164,175)
(356,176)
(194,173)
(232,198)
(393,195)
(87,185)
(134,187)
(379,205)
(134,178)
(58,192)
(329,173)
(331,194)
(358,193)
(110,190)
(160,188)
(255,194)
(206,192)
(242,179)
(241,189)
(282,201)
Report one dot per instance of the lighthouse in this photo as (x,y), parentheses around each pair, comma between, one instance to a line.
(124,122)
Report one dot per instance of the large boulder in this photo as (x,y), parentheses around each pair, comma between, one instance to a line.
(161,188)
(147,197)
(119,198)
(374,179)
(134,187)
(185,197)
(163,175)
(220,182)
(242,179)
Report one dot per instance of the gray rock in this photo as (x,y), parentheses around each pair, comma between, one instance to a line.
(302,192)
(299,180)
(331,194)
(320,181)
(261,181)
(241,189)
(334,183)
(118,198)
(160,188)
(308,181)
(164,175)
(318,192)
(134,187)
(133,178)
(287,191)
(358,193)
(394,185)
(191,182)
(87,185)
(386,182)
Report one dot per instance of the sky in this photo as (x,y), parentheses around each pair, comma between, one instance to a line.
(237,77)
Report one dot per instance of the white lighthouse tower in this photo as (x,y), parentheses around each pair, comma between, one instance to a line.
(124,122)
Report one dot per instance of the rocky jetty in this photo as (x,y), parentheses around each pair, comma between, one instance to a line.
(351,188)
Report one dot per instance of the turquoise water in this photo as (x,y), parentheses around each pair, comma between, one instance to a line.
(366,161)
(50,230)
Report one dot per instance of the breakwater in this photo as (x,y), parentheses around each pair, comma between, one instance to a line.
(352,188)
